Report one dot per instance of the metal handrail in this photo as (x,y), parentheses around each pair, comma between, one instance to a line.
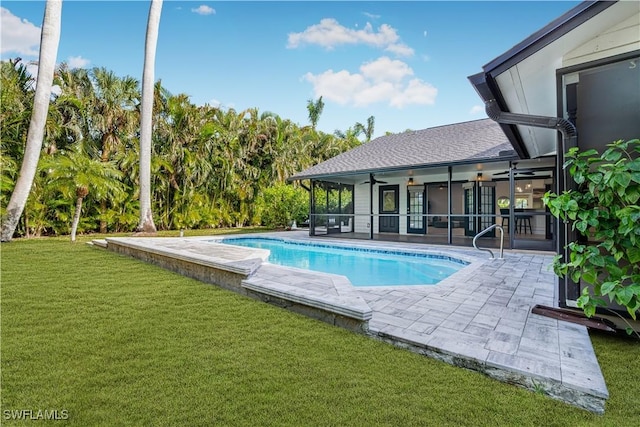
(485,231)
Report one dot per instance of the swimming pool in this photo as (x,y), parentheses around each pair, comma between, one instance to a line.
(363,267)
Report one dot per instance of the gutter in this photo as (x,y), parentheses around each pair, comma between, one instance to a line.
(569,139)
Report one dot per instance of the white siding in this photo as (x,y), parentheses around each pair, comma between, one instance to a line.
(361,208)
(621,38)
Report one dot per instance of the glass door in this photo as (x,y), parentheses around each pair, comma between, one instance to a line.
(389,208)
(479,207)
(416,200)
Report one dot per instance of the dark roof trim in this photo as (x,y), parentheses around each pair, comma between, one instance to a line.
(488,91)
(413,167)
(545,36)
(484,82)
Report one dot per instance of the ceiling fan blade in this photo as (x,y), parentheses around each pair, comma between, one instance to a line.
(375,181)
(515,172)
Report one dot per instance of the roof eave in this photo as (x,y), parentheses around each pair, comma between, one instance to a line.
(546,35)
(407,167)
(484,82)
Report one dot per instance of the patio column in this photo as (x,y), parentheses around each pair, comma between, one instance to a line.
(371,206)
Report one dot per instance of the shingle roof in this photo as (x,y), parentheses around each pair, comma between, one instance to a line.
(443,145)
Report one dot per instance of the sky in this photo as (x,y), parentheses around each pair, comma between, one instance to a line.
(405,63)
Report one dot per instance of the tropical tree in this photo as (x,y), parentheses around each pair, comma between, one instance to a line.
(368,130)
(16,105)
(315,110)
(50,38)
(71,110)
(113,117)
(146,115)
(75,174)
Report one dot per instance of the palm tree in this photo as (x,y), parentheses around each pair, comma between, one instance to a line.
(16,105)
(49,41)
(368,130)
(70,109)
(113,116)
(146,115)
(76,175)
(315,110)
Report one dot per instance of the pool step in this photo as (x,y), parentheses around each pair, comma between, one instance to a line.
(346,310)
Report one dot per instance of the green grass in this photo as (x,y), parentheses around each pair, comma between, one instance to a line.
(114,341)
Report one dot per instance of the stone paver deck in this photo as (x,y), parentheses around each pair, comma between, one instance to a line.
(479,318)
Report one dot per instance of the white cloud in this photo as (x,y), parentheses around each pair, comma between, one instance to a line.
(476,109)
(329,34)
(18,35)
(416,92)
(386,69)
(382,80)
(400,49)
(371,15)
(204,10)
(77,62)
(341,87)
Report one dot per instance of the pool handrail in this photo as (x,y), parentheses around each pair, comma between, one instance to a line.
(485,231)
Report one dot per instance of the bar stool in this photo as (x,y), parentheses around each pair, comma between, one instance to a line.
(523,220)
(504,213)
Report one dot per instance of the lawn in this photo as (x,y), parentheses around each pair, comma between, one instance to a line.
(114,341)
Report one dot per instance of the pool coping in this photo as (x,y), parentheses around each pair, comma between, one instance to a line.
(478,318)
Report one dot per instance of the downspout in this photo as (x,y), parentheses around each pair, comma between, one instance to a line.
(569,139)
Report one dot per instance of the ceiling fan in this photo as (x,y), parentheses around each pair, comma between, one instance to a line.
(515,172)
(375,181)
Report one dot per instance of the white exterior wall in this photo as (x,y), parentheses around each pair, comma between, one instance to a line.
(361,206)
(619,39)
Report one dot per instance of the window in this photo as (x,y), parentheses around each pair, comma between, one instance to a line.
(523,202)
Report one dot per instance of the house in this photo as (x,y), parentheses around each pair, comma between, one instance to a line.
(575,82)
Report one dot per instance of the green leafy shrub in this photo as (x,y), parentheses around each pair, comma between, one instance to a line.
(281,204)
(605,212)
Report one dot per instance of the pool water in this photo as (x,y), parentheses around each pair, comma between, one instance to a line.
(363,267)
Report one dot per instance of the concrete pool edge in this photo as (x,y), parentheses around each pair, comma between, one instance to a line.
(249,276)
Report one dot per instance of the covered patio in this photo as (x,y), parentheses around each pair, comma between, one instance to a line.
(442,185)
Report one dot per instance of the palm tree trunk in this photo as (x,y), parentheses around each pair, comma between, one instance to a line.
(76,219)
(146,118)
(49,41)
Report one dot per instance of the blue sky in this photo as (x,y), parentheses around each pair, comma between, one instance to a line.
(405,63)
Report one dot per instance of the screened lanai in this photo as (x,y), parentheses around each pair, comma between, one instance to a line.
(440,185)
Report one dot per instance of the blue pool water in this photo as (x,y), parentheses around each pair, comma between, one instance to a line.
(363,267)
